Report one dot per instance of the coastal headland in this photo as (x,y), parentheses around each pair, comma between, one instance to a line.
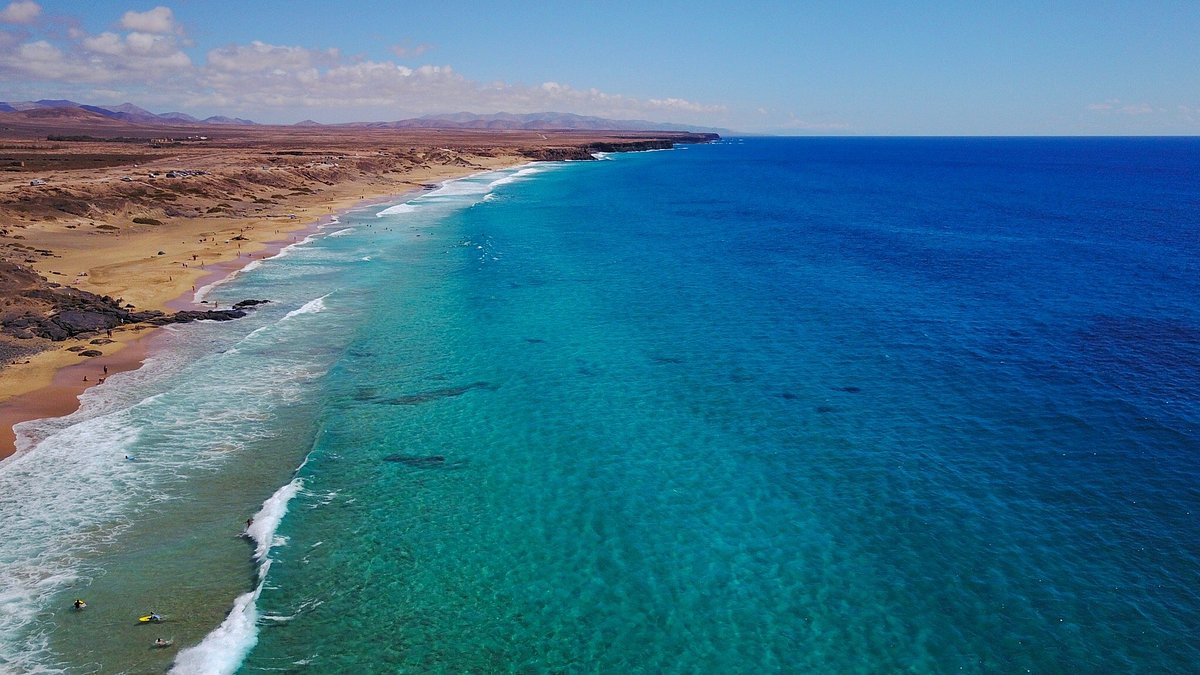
(107,228)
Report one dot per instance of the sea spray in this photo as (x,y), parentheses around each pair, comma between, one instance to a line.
(737,425)
(204,291)
(311,307)
(52,520)
(731,425)
(209,425)
(223,650)
(457,193)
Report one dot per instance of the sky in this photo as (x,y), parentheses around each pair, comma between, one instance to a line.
(839,67)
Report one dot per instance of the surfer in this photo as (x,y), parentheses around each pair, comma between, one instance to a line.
(78,604)
(159,642)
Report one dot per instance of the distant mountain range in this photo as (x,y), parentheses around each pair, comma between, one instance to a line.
(126,112)
(545,121)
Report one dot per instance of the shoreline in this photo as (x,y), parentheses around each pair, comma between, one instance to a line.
(68,381)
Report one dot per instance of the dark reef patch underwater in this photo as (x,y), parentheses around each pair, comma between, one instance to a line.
(771,405)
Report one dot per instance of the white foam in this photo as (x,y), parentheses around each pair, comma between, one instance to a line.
(202,293)
(397,209)
(469,190)
(521,174)
(342,233)
(303,608)
(311,307)
(47,550)
(79,481)
(266,521)
(222,651)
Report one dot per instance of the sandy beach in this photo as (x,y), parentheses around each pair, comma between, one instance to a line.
(49,383)
(148,222)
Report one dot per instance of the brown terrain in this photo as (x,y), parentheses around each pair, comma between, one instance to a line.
(106,226)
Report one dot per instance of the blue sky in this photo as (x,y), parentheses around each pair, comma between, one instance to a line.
(790,67)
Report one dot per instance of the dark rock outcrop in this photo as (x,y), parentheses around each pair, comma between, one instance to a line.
(245,304)
(37,312)
(188,316)
(585,152)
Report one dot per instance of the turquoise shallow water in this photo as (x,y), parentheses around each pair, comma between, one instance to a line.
(773,405)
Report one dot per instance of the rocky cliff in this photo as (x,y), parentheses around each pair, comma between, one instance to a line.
(585,151)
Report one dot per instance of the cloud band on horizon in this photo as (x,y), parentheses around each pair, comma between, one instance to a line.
(144,58)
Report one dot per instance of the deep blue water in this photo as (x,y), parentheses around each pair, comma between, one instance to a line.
(818,405)
(765,405)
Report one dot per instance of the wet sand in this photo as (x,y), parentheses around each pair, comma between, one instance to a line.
(134,344)
(149,223)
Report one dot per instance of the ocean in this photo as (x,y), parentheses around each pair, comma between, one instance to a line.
(797,405)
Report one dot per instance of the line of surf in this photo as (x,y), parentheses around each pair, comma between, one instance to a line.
(222,651)
(313,306)
(202,293)
(469,188)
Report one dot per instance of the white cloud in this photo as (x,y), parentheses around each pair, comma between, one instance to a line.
(158,20)
(1114,105)
(683,104)
(104,43)
(405,52)
(1137,109)
(263,76)
(259,56)
(795,123)
(144,57)
(135,53)
(39,59)
(21,11)
(135,57)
